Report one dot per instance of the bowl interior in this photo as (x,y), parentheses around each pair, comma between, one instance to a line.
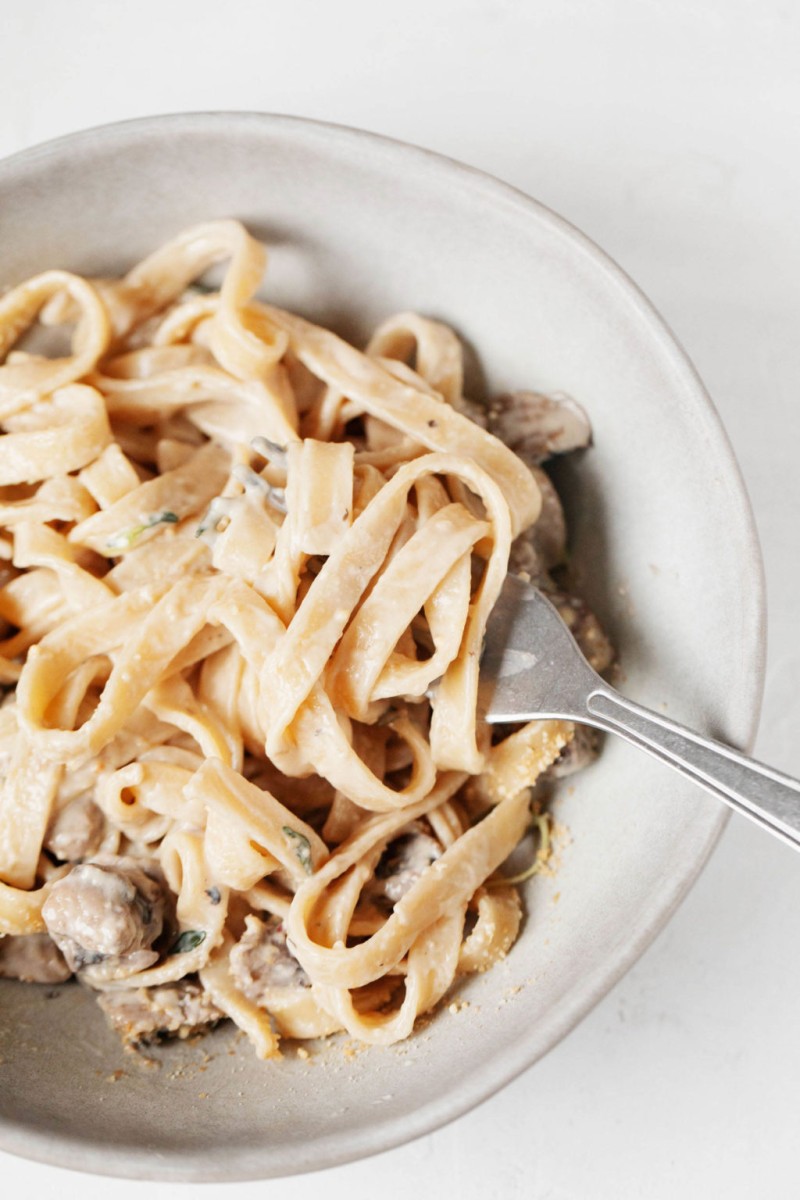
(662,541)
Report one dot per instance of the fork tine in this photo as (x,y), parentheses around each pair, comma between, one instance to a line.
(531,665)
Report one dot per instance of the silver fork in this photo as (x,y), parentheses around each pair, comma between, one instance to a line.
(531,667)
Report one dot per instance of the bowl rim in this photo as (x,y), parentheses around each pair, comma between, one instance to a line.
(100,1158)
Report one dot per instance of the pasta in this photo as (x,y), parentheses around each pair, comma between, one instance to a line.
(246,573)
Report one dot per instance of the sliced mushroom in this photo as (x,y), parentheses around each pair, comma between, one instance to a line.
(578,753)
(401,865)
(107,913)
(262,959)
(34,958)
(142,1015)
(538,549)
(585,628)
(536,427)
(75,831)
(477,413)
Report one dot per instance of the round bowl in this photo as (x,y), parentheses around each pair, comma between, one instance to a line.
(662,540)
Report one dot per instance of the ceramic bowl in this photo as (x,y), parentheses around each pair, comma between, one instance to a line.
(662,539)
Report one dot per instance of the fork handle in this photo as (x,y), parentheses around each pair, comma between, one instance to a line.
(768,797)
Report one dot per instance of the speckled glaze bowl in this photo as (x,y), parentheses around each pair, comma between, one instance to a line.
(361,227)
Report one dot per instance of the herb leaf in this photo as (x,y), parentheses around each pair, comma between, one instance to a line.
(190,939)
(213,894)
(301,847)
(128,537)
(220,506)
(250,480)
(543,823)
(269,450)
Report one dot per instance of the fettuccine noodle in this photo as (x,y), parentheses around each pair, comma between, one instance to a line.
(246,574)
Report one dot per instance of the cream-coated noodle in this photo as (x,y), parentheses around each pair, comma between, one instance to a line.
(246,573)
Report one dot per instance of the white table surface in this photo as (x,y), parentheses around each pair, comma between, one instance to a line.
(668,131)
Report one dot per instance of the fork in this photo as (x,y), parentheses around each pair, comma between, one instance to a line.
(531,667)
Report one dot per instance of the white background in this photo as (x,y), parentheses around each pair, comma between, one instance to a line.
(668,131)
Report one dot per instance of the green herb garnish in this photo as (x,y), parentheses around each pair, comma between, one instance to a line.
(272,451)
(220,506)
(301,847)
(190,939)
(542,822)
(250,480)
(128,537)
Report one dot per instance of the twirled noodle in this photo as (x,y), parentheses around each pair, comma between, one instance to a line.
(250,569)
